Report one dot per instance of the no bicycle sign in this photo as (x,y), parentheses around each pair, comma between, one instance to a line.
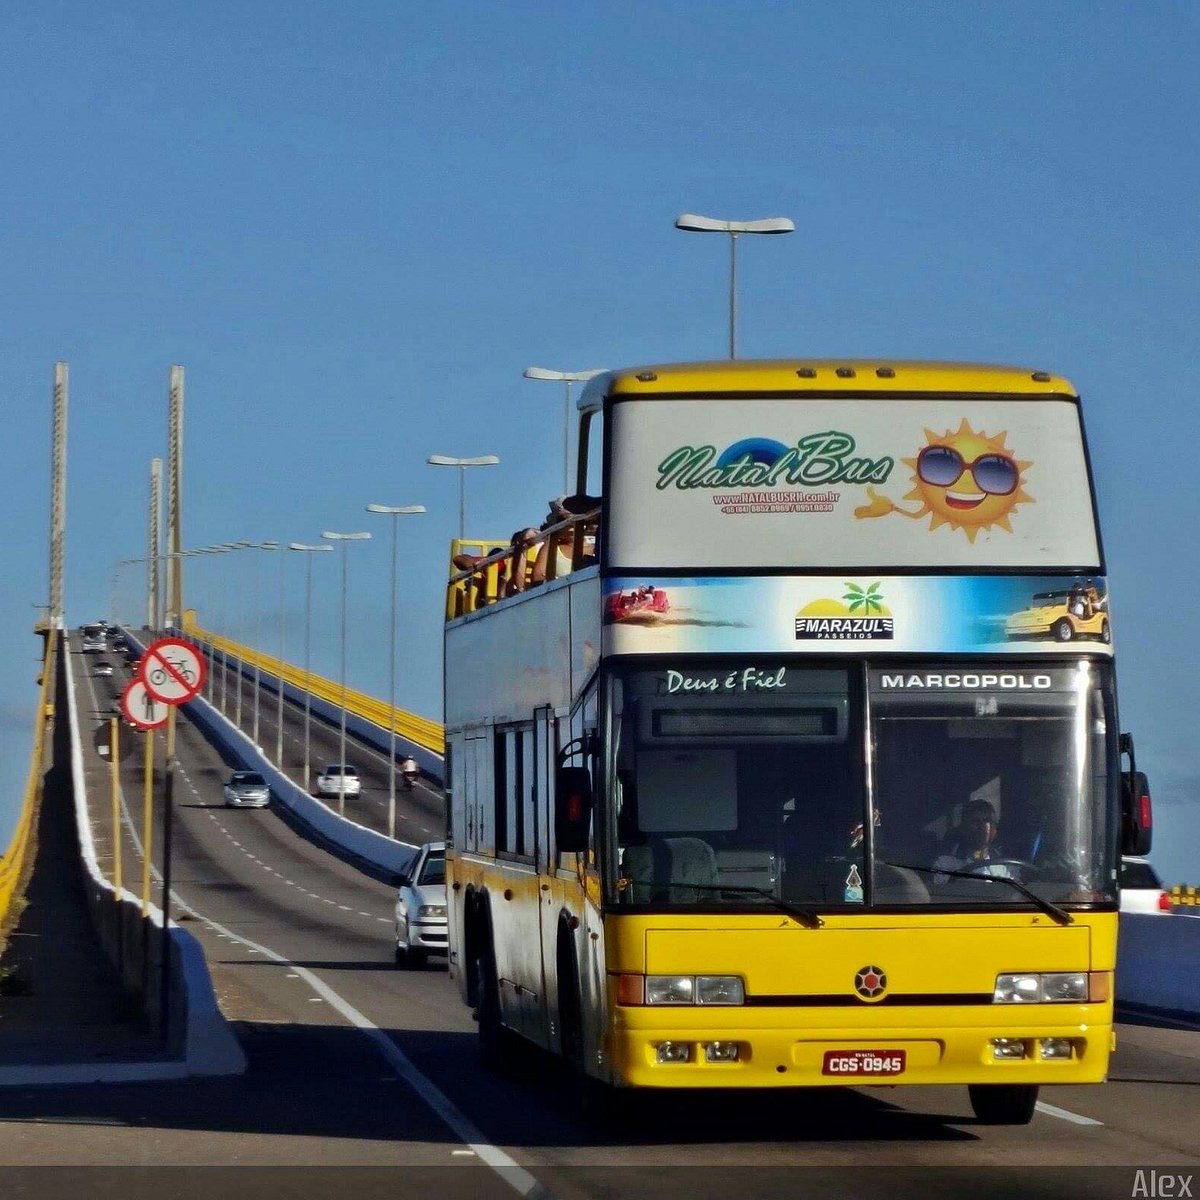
(172,671)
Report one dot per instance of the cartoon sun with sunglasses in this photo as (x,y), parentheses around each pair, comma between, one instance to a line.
(964,479)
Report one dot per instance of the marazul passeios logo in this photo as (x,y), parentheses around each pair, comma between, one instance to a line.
(860,615)
(756,462)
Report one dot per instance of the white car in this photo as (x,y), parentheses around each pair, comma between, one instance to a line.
(339,779)
(421,908)
(1141,889)
(247,789)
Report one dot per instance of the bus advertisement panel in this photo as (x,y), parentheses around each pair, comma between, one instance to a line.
(812,484)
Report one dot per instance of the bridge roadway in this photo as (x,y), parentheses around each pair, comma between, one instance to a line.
(356,1063)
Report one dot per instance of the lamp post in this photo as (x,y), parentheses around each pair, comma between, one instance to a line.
(258,633)
(343,538)
(309,551)
(239,641)
(444,460)
(567,377)
(691,223)
(211,622)
(281,547)
(395,513)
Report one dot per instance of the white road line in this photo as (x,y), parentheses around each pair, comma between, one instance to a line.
(519,1179)
(1064,1114)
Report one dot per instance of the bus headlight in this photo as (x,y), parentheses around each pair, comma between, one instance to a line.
(431,910)
(670,989)
(1017,989)
(720,989)
(692,989)
(1065,986)
(1055,987)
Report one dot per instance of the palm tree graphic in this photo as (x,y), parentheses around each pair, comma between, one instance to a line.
(869,601)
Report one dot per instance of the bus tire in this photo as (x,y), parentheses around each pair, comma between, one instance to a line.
(496,1043)
(1003,1103)
(596,1102)
(1063,630)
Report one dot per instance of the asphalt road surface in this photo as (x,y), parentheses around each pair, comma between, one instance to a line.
(356,1064)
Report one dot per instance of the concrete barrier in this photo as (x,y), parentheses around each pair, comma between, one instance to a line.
(1158,965)
(374,850)
(198,1032)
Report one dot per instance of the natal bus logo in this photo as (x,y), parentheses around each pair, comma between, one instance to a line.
(964,479)
(816,458)
(863,616)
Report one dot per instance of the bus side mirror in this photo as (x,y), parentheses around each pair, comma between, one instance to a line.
(1137,816)
(572,809)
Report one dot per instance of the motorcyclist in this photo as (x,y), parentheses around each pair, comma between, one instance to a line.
(409,771)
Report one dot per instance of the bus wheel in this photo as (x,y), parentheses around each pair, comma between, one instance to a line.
(1003,1103)
(1063,630)
(495,1042)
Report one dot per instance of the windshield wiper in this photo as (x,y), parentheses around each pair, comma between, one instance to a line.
(805,915)
(1051,910)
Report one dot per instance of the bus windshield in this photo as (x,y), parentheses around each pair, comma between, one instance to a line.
(739,783)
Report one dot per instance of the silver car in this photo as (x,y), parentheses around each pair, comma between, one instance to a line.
(421,908)
(247,789)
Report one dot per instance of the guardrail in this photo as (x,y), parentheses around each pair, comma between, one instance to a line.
(17,858)
(1158,965)
(199,1033)
(421,731)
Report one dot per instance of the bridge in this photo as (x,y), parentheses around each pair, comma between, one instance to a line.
(268,1023)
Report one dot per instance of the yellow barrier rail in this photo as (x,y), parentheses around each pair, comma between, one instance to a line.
(421,730)
(19,853)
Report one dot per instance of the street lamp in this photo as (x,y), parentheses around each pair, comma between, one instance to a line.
(226,622)
(310,551)
(240,640)
(444,460)
(211,622)
(258,633)
(395,513)
(691,223)
(567,377)
(343,538)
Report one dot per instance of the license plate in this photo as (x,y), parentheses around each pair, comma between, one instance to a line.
(863,1064)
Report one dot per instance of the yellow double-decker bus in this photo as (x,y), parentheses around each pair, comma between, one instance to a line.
(754,781)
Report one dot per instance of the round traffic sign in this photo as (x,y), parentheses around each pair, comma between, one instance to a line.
(140,708)
(172,670)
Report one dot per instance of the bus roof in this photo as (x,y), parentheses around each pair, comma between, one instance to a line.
(877,376)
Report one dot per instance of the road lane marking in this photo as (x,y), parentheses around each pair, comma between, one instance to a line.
(507,1168)
(1064,1114)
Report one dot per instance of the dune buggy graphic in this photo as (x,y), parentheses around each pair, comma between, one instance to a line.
(1080,611)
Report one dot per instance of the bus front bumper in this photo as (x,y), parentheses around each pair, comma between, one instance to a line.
(946,1047)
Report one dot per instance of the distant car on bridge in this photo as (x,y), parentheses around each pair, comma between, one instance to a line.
(1141,889)
(421,908)
(339,779)
(247,789)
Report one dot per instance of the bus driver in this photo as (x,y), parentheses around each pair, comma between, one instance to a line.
(975,850)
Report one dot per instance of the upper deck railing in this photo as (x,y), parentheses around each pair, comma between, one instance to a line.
(531,558)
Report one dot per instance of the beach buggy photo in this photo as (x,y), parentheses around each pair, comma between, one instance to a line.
(1080,611)
(638,604)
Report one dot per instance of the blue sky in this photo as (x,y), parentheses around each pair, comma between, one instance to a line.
(355,225)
